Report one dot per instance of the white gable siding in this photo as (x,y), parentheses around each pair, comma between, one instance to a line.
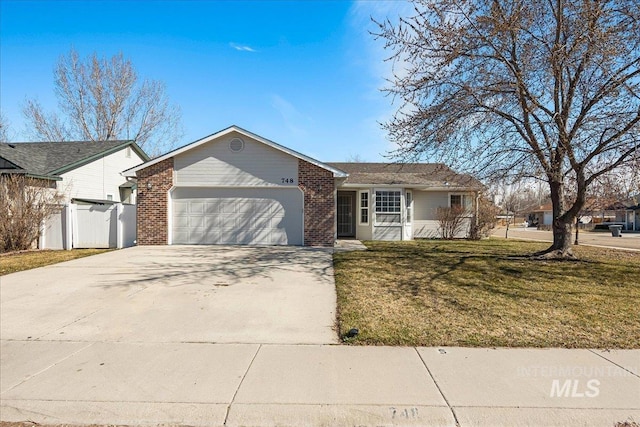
(214,164)
(101,177)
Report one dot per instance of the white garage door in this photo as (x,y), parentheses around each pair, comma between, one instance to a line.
(261,216)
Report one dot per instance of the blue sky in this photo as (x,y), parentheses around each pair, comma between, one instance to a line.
(304,74)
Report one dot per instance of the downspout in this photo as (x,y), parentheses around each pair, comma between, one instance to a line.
(477,207)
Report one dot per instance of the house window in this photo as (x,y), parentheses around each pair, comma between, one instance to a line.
(387,202)
(127,152)
(409,203)
(364,207)
(461,201)
(388,207)
(109,196)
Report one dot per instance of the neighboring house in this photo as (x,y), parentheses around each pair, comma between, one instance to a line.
(541,216)
(235,187)
(82,171)
(626,213)
(633,217)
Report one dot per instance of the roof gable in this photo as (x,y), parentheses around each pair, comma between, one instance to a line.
(336,172)
(54,158)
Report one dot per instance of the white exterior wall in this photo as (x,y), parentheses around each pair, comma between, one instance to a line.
(214,164)
(99,178)
(425,205)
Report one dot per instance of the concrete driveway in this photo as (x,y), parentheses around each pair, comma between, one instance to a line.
(176,294)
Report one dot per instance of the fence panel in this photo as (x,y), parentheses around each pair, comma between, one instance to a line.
(90,226)
(53,232)
(95,226)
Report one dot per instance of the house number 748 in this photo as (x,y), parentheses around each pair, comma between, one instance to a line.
(288,180)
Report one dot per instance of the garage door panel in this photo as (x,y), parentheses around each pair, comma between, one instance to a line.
(211,208)
(196,221)
(181,236)
(196,207)
(237,216)
(180,222)
(180,207)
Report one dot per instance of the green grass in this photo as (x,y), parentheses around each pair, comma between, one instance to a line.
(488,293)
(19,261)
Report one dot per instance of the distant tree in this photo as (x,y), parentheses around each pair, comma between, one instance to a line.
(520,88)
(103,99)
(4,128)
(512,205)
(517,199)
(354,158)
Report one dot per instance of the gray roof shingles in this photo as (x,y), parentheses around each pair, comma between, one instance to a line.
(48,158)
(410,174)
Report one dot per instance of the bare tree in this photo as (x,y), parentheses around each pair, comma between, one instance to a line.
(354,158)
(4,128)
(485,219)
(512,207)
(24,203)
(517,199)
(450,221)
(103,99)
(520,88)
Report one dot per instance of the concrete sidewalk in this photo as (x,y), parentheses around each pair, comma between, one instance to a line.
(202,384)
(628,241)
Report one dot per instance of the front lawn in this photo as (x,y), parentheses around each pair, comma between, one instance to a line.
(19,261)
(488,293)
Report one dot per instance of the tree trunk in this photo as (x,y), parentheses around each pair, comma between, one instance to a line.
(561,226)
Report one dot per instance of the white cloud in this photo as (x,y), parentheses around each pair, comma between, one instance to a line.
(362,15)
(293,119)
(242,48)
(372,55)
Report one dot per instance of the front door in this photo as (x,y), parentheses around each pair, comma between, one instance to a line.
(346,217)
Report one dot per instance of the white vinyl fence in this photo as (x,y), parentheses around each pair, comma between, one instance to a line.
(90,226)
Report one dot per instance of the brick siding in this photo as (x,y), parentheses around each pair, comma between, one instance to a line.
(153,203)
(318,186)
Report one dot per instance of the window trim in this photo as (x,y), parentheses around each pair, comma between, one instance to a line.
(390,190)
(361,208)
(462,200)
(408,206)
(399,214)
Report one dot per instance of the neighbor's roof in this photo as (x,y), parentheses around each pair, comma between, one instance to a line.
(424,175)
(336,172)
(543,208)
(50,159)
